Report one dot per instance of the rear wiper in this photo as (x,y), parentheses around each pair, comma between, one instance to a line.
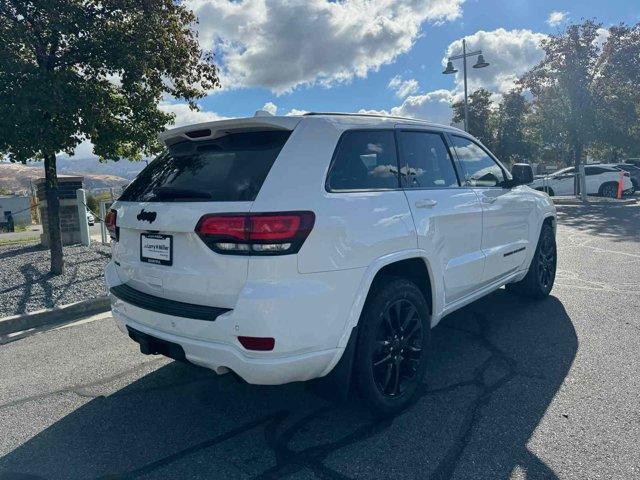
(174,192)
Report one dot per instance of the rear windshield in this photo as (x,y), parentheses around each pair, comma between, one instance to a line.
(228,169)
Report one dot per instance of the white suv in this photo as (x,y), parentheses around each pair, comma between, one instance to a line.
(286,248)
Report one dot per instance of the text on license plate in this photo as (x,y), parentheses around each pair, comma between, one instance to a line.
(156,248)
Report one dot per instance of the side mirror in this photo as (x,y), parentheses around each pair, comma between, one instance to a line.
(522,174)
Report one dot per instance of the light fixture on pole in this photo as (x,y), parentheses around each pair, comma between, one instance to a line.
(480,63)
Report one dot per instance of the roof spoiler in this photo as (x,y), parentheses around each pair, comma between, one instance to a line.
(219,128)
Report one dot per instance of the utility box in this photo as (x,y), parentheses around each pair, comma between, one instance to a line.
(69,216)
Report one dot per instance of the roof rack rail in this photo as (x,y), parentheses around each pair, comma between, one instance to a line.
(375,115)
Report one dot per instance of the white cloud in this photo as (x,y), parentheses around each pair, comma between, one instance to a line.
(295,111)
(603,36)
(510,54)
(403,88)
(281,45)
(270,107)
(557,18)
(433,106)
(186,116)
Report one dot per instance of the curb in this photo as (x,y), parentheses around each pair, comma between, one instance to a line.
(55,315)
(580,203)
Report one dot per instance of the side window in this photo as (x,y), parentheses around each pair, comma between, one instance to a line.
(425,161)
(364,160)
(588,171)
(480,169)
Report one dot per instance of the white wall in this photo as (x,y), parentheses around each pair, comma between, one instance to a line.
(16,204)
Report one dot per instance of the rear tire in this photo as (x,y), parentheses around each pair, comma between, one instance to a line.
(539,280)
(393,345)
(609,190)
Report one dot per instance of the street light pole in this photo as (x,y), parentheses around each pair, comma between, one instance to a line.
(466,96)
(450,69)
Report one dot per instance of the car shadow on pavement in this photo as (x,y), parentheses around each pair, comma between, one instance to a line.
(495,369)
(619,222)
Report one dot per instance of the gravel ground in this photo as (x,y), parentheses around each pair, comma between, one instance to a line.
(26,285)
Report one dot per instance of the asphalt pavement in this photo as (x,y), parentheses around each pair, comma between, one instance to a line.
(515,389)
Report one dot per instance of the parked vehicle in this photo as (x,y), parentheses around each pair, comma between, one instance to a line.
(634,174)
(601,180)
(289,248)
(91,220)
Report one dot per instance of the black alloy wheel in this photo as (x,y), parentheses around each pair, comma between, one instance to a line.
(399,348)
(610,190)
(546,262)
(394,334)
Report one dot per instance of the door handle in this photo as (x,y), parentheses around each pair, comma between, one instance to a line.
(489,200)
(426,203)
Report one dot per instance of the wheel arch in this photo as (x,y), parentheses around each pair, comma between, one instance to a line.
(411,264)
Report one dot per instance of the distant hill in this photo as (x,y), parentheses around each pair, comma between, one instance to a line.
(16,177)
(81,165)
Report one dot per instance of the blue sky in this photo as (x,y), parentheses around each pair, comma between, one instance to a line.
(303,68)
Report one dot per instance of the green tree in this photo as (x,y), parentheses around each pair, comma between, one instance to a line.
(562,86)
(93,204)
(72,70)
(480,115)
(617,95)
(512,143)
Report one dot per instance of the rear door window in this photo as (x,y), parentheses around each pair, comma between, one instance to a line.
(231,168)
(364,160)
(425,161)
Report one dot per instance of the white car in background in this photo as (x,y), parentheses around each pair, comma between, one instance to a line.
(602,180)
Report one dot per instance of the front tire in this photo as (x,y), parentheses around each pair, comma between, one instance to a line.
(539,280)
(393,343)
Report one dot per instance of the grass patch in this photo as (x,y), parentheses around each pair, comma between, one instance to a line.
(19,241)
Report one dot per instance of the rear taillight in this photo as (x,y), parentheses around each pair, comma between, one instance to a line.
(278,233)
(110,222)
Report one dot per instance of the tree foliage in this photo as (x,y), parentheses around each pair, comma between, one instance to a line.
(94,69)
(72,70)
(479,115)
(512,143)
(562,86)
(581,99)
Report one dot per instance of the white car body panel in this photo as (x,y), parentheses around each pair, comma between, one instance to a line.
(310,301)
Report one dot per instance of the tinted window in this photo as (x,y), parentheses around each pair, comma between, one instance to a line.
(595,170)
(364,160)
(425,161)
(480,169)
(229,168)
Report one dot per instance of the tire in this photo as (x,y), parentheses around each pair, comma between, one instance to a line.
(538,282)
(609,190)
(393,345)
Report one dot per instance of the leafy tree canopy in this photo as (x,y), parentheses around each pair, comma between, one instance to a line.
(479,115)
(94,69)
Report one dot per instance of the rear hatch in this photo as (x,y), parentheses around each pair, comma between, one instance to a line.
(207,169)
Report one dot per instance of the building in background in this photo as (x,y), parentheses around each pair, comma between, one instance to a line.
(16,206)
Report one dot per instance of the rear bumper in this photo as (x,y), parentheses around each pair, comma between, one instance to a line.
(220,357)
